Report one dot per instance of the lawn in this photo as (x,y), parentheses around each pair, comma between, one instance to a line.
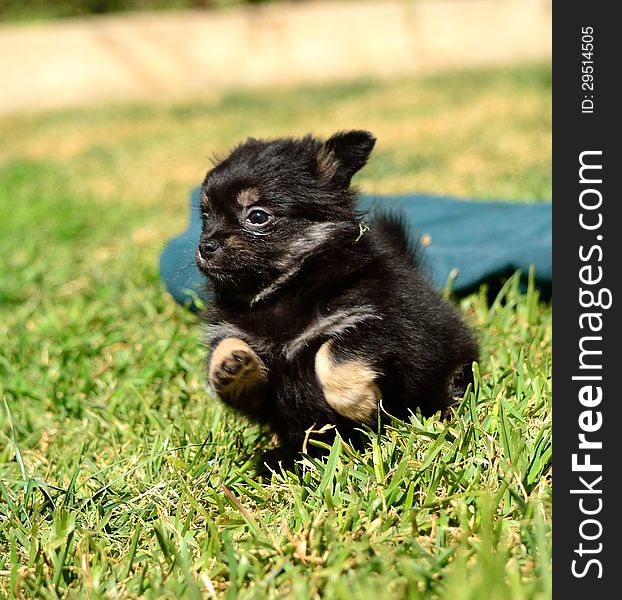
(121,477)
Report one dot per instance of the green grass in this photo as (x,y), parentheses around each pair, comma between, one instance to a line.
(120,477)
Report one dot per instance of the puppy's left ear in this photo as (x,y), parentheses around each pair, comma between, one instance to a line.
(343,154)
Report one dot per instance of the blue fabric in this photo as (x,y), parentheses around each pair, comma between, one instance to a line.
(471,241)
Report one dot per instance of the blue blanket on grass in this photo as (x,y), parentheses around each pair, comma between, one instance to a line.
(467,242)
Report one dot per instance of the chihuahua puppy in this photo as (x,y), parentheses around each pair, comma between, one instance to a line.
(318,317)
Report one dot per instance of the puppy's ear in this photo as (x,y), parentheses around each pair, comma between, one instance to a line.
(343,154)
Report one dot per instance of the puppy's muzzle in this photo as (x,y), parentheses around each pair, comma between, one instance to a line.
(205,252)
(209,246)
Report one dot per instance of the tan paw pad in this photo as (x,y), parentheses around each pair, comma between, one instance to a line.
(235,368)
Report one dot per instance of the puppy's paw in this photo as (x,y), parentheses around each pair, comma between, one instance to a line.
(236,373)
(232,369)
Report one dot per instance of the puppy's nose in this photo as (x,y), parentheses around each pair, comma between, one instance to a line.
(210,245)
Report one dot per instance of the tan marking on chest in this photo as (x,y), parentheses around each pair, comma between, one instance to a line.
(349,387)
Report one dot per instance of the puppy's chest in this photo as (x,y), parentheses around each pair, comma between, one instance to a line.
(277,325)
(294,332)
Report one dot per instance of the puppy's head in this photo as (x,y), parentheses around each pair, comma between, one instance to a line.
(270,205)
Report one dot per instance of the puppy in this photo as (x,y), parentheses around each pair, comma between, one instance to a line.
(318,316)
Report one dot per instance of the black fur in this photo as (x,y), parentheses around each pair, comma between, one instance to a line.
(317,258)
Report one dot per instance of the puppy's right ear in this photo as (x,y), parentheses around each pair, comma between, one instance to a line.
(343,154)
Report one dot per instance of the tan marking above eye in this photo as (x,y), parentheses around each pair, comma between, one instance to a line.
(349,387)
(247,196)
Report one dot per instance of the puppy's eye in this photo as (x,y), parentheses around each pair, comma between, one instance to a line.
(258,217)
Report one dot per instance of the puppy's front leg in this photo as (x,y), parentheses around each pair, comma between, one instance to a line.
(349,385)
(237,374)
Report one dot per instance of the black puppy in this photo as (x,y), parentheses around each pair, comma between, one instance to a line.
(318,316)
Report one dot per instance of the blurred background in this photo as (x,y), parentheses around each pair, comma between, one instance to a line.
(205,49)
